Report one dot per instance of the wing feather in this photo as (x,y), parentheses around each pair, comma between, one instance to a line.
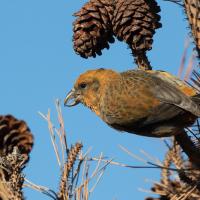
(166,89)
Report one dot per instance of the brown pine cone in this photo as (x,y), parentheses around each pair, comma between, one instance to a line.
(92,28)
(14,132)
(135,21)
(192,9)
(16,142)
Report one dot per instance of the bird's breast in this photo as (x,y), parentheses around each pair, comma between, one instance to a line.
(122,106)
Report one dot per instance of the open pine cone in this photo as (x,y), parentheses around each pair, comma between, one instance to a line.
(92,28)
(14,133)
(134,22)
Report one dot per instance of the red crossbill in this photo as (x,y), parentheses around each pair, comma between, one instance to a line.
(149,103)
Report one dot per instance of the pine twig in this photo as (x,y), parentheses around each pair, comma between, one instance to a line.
(72,154)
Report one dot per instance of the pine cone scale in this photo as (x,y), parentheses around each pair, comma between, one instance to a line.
(95,15)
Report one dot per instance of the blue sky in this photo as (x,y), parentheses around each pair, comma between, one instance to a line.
(38,65)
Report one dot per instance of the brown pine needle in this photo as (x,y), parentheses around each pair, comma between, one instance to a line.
(52,135)
(63,134)
(131,154)
(183,59)
(40,188)
(189,68)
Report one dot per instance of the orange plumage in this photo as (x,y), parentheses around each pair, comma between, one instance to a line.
(150,103)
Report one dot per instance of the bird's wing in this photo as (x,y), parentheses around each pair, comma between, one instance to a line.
(168,93)
(163,112)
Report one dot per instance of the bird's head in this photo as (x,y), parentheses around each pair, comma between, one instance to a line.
(88,88)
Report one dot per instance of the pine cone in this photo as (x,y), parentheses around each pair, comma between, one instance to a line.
(14,132)
(192,9)
(135,21)
(16,142)
(92,28)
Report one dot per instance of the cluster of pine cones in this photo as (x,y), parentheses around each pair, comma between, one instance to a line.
(133,21)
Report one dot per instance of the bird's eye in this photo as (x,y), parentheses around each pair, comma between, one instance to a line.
(83,85)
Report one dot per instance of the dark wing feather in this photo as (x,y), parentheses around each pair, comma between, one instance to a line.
(163,112)
(167,93)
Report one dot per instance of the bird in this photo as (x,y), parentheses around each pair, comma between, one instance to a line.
(149,103)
